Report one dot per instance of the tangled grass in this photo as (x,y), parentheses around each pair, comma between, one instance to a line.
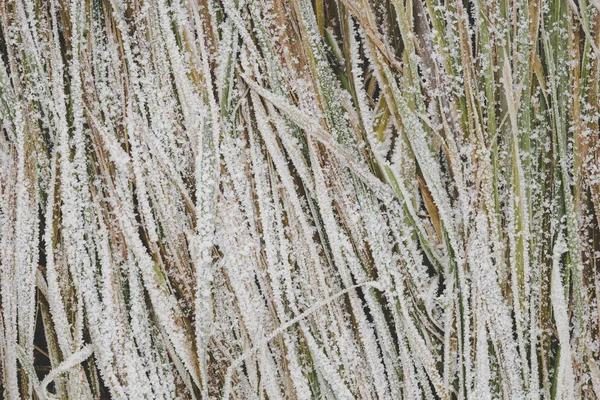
(336,199)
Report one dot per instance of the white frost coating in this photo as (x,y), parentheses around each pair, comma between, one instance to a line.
(565,379)
(74,359)
(299,199)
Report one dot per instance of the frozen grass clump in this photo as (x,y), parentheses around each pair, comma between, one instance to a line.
(303,199)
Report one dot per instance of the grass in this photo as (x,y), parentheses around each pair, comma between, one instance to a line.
(297,199)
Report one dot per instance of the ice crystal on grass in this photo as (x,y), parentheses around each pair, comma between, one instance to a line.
(299,199)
